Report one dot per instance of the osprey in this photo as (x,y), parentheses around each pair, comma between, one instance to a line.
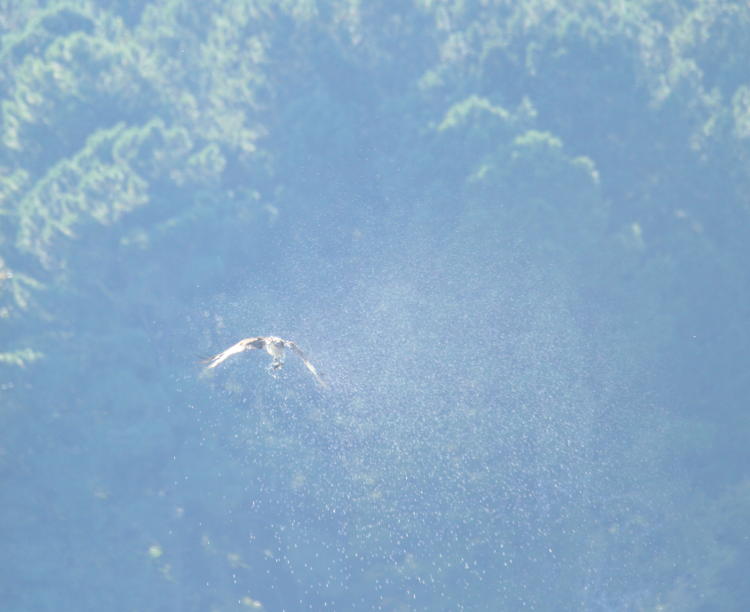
(274,346)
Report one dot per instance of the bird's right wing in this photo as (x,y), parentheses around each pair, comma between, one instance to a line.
(247,344)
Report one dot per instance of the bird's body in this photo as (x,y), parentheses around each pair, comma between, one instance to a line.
(274,346)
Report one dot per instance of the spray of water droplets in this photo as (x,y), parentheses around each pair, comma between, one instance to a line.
(469,443)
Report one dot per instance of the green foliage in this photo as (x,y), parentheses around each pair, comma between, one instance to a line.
(12,185)
(20,358)
(56,95)
(42,29)
(161,157)
(515,178)
(15,291)
(94,185)
(114,174)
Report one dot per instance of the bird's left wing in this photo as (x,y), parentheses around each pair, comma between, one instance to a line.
(246,344)
(298,351)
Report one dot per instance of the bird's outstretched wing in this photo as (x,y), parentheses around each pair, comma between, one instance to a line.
(246,344)
(298,351)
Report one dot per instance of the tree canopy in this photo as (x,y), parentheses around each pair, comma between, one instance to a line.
(515,234)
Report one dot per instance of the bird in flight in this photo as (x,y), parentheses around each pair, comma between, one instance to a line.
(274,346)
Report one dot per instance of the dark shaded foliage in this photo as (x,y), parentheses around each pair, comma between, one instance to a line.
(516,234)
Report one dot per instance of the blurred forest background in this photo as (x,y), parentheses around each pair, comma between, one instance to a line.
(515,236)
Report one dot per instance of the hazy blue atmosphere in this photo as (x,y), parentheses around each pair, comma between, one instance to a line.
(513,236)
